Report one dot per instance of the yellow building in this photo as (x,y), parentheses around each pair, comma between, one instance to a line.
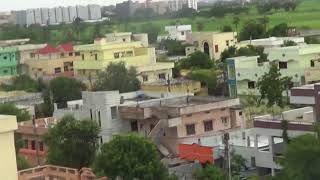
(50,62)
(118,47)
(211,43)
(8,165)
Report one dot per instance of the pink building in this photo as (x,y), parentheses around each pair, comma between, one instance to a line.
(183,120)
(34,149)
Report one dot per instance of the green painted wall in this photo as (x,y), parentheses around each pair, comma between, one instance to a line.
(8,62)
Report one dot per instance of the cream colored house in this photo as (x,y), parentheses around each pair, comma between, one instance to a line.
(211,43)
(8,165)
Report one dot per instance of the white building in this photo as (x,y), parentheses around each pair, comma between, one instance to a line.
(94,12)
(45,15)
(65,14)
(72,13)
(52,16)
(30,17)
(59,15)
(83,12)
(178,32)
(176,5)
(37,16)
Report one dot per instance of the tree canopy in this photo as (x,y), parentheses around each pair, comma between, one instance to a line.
(130,156)
(118,77)
(11,109)
(72,143)
(300,159)
(271,86)
(209,172)
(22,82)
(197,60)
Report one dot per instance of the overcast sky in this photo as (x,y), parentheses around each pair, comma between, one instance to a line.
(7,5)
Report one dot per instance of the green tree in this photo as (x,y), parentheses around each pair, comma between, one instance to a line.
(236,21)
(152,31)
(264,21)
(280,30)
(200,26)
(11,109)
(271,86)
(118,77)
(209,172)
(22,163)
(301,158)
(22,82)
(284,127)
(237,164)
(63,89)
(173,47)
(207,77)
(252,30)
(226,28)
(197,60)
(228,53)
(72,143)
(130,156)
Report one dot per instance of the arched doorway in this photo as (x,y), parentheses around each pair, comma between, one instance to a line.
(206,48)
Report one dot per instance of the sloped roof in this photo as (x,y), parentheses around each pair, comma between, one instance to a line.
(66,47)
(48,49)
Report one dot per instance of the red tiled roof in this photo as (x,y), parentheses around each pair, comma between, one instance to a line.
(66,47)
(47,50)
(192,152)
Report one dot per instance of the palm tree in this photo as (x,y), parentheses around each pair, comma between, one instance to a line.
(236,21)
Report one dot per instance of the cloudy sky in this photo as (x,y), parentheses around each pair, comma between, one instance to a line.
(7,5)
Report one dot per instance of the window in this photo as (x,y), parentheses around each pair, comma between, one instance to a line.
(66,68)
(144,78)
(41,146)
(77,53)
(33,145)
(5,57)
(32,55)
(82,56)
(216,48)
(189,115)
(224,120)
(312,63)
(101,141)
(57,70)
(251,84)
(134,126)
(208,125)
(124,39)
(91,114)
(182,33)
(62,54)
(5,71)
(253,161)
(26,144)
(39,69)
(240,113)
(70,54)
(162,76)
(96,56)
(207,112)
(191,129)
(116,55)
(283,65)
(114,112)
(99,118)
(227,42)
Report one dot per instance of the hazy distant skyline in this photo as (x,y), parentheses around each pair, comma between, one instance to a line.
(8,5)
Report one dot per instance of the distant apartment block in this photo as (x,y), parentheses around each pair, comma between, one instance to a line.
(176,5)
(57,15)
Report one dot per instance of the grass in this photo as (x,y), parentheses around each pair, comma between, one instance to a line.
(305,16)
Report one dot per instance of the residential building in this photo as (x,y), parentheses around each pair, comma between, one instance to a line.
(83,12)
(265,143)
(211,43)
(298,62)
(57,172)
(8,165)
(117,47)
(176,5)
(5,18)
(178,32)
(31,132)
(8,62)
(159,7)
(94,12)
(304,95)
(128,8)
(50,62)
(272,42)
(169,119)
(57,15)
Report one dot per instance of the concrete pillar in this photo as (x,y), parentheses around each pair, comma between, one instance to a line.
(256,141)
(273,172)
(270,140)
